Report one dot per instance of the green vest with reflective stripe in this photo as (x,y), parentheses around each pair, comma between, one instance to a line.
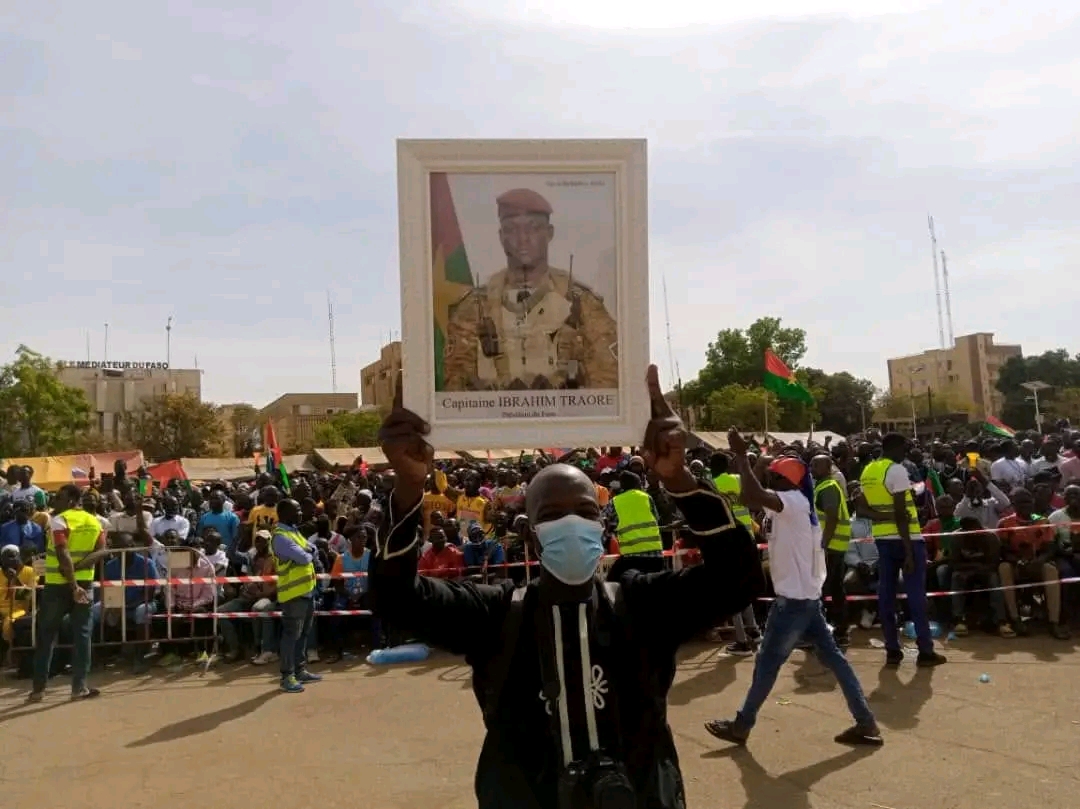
(638,530)
(879,497)
(842,537)
(83,532)
(293,580)
(731,487)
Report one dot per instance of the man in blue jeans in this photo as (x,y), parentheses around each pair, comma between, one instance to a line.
(887,500)
(69,577)
(295,595)
(797,566)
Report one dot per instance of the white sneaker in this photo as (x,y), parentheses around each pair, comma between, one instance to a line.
(313,656)
(263,658)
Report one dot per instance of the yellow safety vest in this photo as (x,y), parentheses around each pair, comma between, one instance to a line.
(731,487)
(83,532)
(842,537)
(293,580)
(879,497)
(638,530)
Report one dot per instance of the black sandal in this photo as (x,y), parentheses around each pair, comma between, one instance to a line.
(857,735)
(86,693)
(725,730)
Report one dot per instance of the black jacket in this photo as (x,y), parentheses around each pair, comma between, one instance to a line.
(626,676)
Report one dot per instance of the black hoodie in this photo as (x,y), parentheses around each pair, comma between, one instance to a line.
(615,669)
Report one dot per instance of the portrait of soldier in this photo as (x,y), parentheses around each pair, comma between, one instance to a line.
(531,326)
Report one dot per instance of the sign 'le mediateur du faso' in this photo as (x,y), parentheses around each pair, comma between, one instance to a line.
(117,366)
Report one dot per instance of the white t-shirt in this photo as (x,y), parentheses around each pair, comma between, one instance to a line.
(796,558)
(124,523)
(162,524)
(896,481)
(1040,464)
(1060,519)
(1011,471)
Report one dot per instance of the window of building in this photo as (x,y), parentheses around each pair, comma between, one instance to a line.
(303,410)
(948,365)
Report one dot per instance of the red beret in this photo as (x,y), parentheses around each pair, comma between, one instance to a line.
(520,201)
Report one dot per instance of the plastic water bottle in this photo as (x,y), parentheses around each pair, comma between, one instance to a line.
(406,653)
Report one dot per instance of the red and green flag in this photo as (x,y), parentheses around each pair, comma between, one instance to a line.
(780,380)
(451,276)
(274,462)
(998,428)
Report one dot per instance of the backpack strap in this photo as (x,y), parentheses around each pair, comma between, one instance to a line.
(499,668)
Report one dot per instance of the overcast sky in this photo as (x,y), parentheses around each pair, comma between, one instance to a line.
(228,167)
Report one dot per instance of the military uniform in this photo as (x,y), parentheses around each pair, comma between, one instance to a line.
(552,333)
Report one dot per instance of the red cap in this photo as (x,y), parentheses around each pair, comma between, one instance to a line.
(792,469)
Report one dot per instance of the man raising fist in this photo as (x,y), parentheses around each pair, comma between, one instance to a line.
(571,673)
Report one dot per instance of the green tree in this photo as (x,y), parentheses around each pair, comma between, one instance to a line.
(1064,405)
(359,428)
(898,405)
(1055,368)
(737,357)
(740,406)
(843,402)
(244,424)
(38,413)
(327,436)
(177,425)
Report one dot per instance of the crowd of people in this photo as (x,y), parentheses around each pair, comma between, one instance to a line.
(991,513)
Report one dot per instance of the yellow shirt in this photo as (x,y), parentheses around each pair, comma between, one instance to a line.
(472,509)
(262,517)
(15,602)
(433,501)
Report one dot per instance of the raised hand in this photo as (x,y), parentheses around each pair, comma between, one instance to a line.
(411,456)
(736,442)
(664,447)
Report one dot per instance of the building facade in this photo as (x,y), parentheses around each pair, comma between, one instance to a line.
(118,392)
(377,379)
(296,415)
(970,369)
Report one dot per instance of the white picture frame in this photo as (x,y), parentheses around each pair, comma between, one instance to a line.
(557,408)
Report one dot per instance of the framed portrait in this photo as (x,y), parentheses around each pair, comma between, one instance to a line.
(525,291)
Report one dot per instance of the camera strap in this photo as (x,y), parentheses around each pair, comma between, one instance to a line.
(499,669)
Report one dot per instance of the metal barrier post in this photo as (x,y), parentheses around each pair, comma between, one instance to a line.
(168,594)
(123,612)
(33,617)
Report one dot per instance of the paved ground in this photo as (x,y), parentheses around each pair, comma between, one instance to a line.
(408,737)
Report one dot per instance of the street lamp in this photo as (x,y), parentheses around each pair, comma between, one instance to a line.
(1035,386)
(911,389)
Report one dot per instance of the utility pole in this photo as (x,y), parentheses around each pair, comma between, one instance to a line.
(937,282)
(333,349)
(105,352)
(168,341)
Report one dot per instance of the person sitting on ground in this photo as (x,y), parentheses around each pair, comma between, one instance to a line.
(139,602)
(1028,556)
(254,597)
(17,582)
(973,564)
(982,500)
(479,553)
(441,560)
(1066,522)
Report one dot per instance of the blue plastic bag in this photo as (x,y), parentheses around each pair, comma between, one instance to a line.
(406,653)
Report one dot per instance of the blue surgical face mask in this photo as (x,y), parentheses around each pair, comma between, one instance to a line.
(571,547)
